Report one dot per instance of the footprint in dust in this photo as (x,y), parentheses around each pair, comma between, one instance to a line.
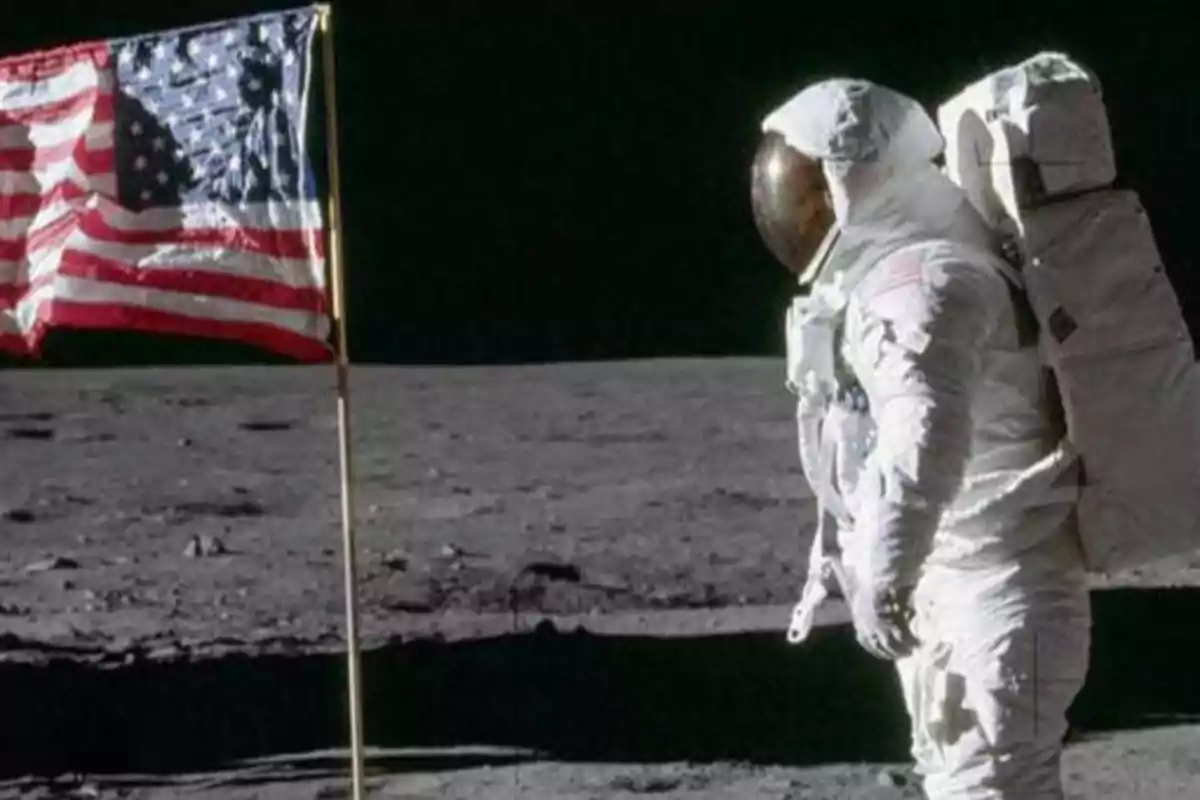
(267,425)
(32,416)
(35,434)
(568,573)
(243,508)
(187,402)
(726,498)
(647,784)
(178,513)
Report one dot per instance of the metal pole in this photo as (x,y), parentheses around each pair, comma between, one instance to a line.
(338,286)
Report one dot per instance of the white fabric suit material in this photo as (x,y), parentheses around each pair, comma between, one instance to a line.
(929,434)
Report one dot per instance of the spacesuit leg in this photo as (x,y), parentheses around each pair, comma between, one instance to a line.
(988,693)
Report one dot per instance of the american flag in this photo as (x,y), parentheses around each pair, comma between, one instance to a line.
(161,183)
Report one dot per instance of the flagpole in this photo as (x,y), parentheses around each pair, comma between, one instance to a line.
(338,285)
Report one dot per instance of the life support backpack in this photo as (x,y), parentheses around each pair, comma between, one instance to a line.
(1030,145)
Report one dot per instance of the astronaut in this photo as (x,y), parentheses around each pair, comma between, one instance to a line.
(932,437)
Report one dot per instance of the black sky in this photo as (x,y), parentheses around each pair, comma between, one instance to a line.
(563,180)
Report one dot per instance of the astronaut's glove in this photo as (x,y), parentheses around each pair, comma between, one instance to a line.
(883,622)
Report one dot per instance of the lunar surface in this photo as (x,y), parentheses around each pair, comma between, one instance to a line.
(1160,765)
(664,484)
(165,522)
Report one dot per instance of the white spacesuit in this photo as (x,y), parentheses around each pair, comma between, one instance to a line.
(930,434)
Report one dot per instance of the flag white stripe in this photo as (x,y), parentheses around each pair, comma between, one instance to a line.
(279,215)
(44,218)
(51,175)
(82,290)
(275,215)
(295,272)
(99,135)
(18,93)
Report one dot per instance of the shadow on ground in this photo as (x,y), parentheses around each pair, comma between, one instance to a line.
(573,696)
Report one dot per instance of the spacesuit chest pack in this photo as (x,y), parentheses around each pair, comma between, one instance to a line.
(834,432)
(832,413)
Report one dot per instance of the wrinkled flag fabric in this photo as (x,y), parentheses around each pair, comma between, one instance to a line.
(161,183)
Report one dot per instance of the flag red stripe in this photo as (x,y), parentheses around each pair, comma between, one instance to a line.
(266,241)
(10,293)
(26,159)
(194,281)
(43,65)
(185,281)
(48,235)
(303,243)
(91,162)
(59,110)
(73,314)
(96,162)
(26,204)
(13,343)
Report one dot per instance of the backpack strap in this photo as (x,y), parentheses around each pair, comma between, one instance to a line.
(1009,265)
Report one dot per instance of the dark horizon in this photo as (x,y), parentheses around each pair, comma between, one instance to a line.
(562,181)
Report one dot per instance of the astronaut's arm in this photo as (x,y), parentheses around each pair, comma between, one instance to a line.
(922,329)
